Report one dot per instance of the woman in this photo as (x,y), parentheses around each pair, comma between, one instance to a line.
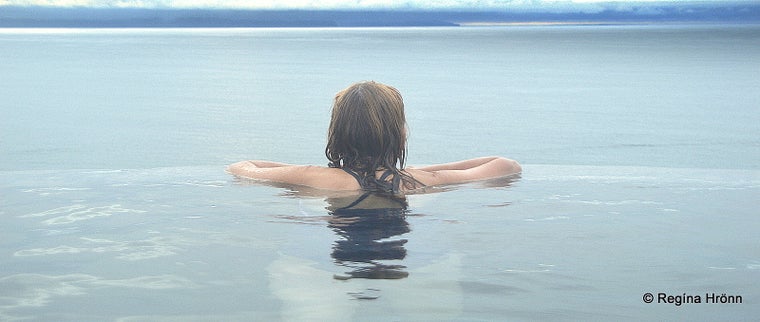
(366,147)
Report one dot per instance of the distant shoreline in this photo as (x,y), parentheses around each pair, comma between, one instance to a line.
(78,17)
(453,25)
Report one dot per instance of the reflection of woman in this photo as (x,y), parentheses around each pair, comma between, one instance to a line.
(365,226)
(366,149)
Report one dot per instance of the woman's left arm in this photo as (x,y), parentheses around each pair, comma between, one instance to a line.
(259,169)
(266,164)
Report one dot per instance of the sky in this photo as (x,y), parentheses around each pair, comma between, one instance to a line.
(526,5)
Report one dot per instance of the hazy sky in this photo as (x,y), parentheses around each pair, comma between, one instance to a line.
(575,5)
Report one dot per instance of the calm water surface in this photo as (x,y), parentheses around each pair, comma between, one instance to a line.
(669,96)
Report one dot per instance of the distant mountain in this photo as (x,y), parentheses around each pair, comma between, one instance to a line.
(11,16)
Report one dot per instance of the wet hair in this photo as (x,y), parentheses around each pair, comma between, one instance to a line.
(367,133)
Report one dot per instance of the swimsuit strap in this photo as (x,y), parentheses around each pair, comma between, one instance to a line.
(385,175)
(359,179)
(357,201)
(395,182)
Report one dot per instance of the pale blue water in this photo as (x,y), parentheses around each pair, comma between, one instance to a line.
(670,96)
(640,146)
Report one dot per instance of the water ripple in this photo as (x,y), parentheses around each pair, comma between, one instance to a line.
(130,250)
(37,290)
(79,212)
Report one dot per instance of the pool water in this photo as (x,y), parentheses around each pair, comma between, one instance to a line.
(556,243)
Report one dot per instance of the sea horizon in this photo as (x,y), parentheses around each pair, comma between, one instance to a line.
(112,17)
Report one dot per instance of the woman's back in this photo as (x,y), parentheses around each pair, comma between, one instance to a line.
(366,149)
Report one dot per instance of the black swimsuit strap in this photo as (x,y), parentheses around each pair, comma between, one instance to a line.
(357,201)
(395,182)
(359,179)
(385,175)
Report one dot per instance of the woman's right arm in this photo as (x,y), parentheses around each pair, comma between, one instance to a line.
(466,170)
(304,175)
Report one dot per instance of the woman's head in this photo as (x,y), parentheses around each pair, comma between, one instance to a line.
(367,129)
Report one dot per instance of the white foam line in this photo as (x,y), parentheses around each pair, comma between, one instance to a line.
(54,211)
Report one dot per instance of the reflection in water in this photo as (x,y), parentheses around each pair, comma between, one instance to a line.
(365,225)
(501,182)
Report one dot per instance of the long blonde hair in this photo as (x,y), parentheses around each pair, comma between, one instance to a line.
(367,133)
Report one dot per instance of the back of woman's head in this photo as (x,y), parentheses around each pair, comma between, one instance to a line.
(367,130)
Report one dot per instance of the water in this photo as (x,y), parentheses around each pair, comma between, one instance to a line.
(562,242)
(640,146)
(671,96)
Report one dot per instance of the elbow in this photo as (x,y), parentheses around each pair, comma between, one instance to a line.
(239,168)
(516,167)
(508,166)
(233,168)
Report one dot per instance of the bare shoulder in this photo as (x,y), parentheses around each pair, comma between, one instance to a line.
(327,178)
